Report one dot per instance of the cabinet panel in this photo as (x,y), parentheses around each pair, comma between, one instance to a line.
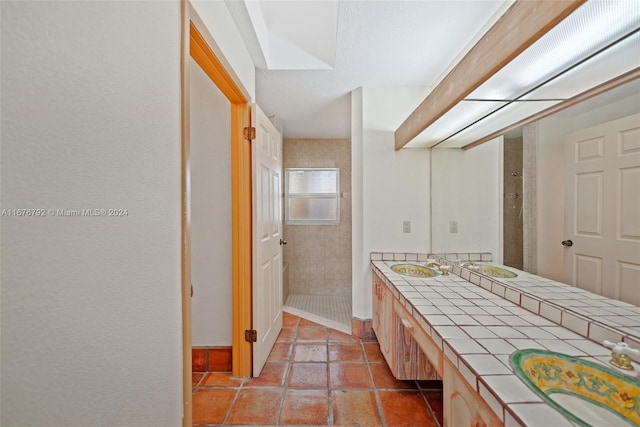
(460,411)
(382,318)
(397,337)
(463,406)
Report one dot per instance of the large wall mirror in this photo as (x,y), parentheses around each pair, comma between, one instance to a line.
(507,196)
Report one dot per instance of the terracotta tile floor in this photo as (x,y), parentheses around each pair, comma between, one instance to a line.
(317,376)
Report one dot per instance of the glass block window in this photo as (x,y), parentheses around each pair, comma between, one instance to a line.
(312,196)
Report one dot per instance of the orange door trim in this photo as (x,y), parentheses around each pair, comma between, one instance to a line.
(240,198)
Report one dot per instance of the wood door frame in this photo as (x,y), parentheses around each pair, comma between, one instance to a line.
(197,43)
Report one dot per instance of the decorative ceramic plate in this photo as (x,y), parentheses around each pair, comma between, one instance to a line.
(497,272)
(413,270)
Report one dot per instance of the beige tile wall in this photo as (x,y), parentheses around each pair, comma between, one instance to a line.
(319,256)
(530,227)
(512,225)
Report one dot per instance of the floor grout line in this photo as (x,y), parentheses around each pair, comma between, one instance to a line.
(233,402)
(431,411)
(345,357)
(330,401)
(375,389)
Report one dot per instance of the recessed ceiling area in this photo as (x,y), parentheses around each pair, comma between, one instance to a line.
(295,35)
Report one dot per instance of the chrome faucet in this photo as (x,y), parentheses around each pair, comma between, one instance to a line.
(432,263)
(444,269)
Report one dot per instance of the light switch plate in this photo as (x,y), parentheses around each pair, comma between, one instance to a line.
(406,227)
(453,226)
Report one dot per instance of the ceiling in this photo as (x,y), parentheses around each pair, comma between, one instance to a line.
(377,43)
(311,54)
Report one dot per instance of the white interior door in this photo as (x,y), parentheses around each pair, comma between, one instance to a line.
(266,151)
(602,209)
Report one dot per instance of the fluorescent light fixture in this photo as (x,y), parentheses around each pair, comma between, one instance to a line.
(619,59)
(509,114)
(595,44)
(463,113)
(590,28)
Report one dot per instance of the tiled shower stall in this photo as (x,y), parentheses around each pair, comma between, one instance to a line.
(317,258)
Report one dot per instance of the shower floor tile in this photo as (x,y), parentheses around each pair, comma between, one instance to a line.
(334,308)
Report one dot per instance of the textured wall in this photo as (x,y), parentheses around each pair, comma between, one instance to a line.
(91,306)
(319,256)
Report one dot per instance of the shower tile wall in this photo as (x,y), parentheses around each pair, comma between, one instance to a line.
(512,223)
(319,256)
(529,227)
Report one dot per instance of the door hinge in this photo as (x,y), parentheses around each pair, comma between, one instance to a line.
(249,133)
(251,335)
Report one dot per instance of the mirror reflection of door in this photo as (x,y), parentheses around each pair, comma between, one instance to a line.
(602,209)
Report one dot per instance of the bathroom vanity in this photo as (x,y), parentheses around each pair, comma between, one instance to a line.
(464,327)
(402,342)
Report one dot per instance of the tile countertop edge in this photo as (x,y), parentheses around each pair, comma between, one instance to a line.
(511,413)
(561,315)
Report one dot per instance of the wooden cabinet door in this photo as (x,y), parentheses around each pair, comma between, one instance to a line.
(376,305)
(383,318)
(395,335)
(463,406)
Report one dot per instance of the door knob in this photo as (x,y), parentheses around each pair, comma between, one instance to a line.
(567,243)
(283,242)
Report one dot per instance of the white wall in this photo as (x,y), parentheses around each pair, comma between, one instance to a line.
(359,266)
(552,132)
(210,138)
(467,188)
(91,306)
(227,43)
(394,187)
(607,113)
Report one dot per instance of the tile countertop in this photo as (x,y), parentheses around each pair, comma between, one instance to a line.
(478,329)
(590,315)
